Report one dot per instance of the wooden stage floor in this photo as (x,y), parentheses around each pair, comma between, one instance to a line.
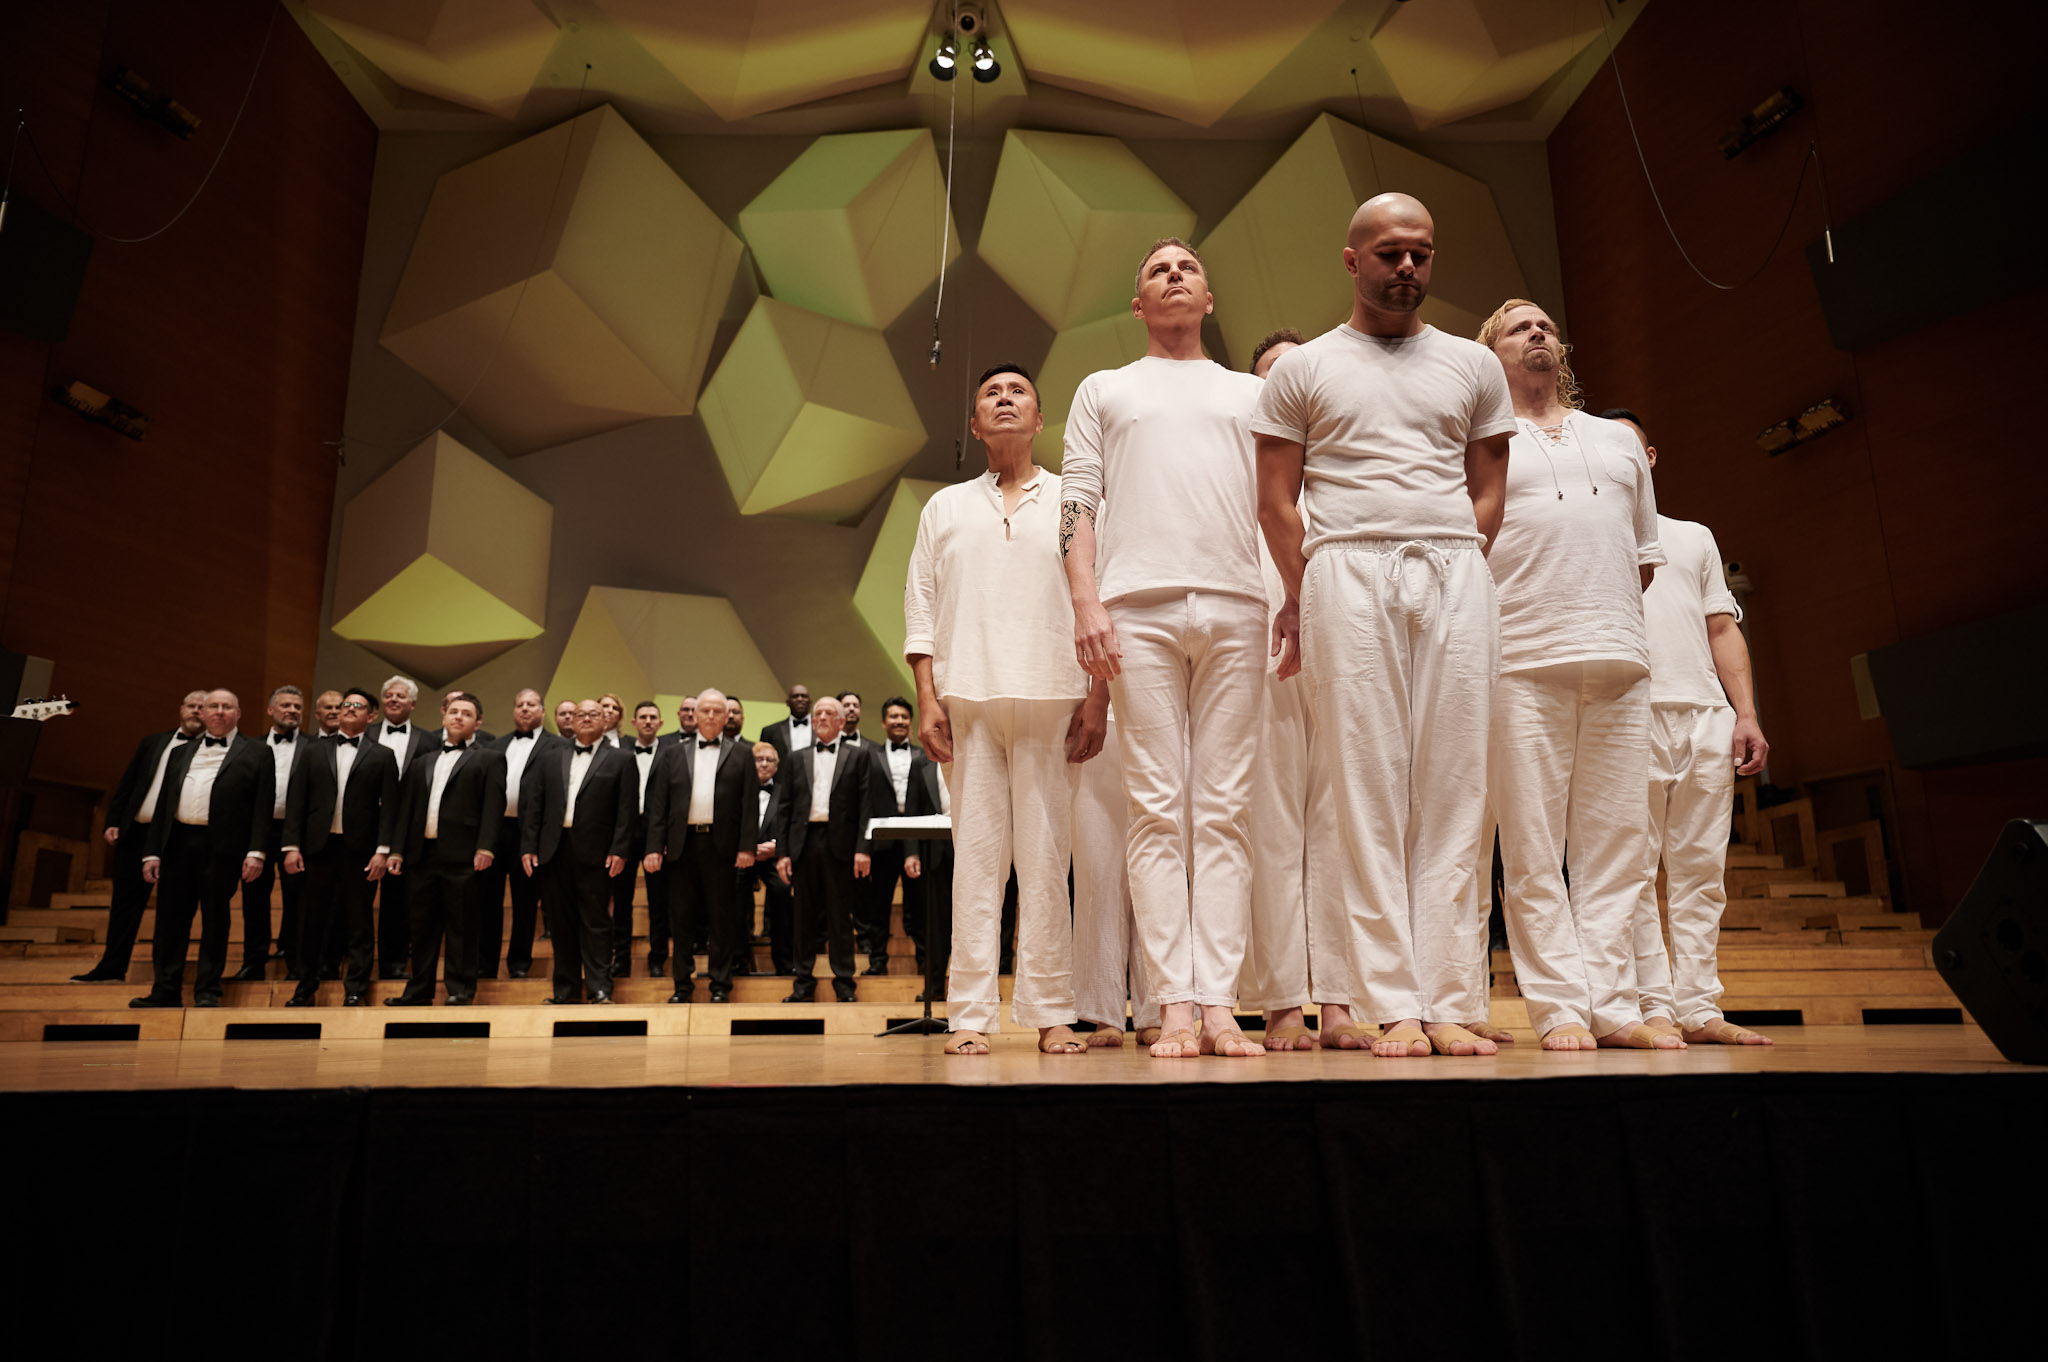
(827,1061)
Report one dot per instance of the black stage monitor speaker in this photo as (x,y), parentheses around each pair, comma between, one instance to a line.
(1993,953)
(42,267)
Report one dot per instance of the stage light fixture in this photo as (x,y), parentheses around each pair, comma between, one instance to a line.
(1816,421)
(99,408)
(986,67)
(1761,120)
(151,104)
(946,59)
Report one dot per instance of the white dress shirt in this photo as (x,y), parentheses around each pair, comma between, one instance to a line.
(899,773)
(645,761)
(281,754)
(344,762)
(147,809)
(767,798)
(799,734)
(444,766)
(703,776)
(518,751)
(195,796)
(580,762)
(827,762)
(395,739)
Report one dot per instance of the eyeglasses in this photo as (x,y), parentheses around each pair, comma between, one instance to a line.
(353,704)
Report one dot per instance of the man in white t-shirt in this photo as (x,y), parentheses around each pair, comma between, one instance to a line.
(1392,437)
(1703,733)
(1571,711)
(986,628)
(1169,609)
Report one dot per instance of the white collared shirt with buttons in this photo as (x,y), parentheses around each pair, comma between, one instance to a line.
(580,762)
(444,766)
(825,764)
(195,796)
(643,757)
(518,750)
(899,773)
(986,596)
(395,741)
(703,776)
(281,759)
(147,810)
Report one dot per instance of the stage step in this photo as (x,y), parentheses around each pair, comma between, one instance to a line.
(1869,920)
(1797,889)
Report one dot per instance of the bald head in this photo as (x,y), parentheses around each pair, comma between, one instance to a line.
(710,713)
(1390,251)
(828,716)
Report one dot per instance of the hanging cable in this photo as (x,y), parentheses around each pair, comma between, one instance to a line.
(946,205)
(13,146)
(1812,158)
(1370,155)
(505,334)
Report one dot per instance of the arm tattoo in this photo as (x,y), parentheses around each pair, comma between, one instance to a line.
(1070,518)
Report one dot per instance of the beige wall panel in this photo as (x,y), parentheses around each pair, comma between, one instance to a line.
(879,594)
(1076,353)
(1450,59)
(658,643)
(483,54)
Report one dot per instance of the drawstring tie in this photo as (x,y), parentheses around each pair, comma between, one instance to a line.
(1394,569)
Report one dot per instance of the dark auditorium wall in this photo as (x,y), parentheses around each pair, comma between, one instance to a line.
(1925,510)
(195,557)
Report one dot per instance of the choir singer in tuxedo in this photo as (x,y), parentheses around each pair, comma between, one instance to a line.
(453,800)
(209,834)
(576,833)
(702,826)
(528,739)
(340,822)
(829,792)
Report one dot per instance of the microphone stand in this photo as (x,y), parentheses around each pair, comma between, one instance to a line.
(927,1025)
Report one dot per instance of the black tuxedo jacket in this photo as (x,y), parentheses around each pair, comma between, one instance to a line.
(244,792)
(128,795)
(605,804)
(918,762)
(735,799)
(369,807)
(860,791)
(776,735)
(303,746)
(472,801)
(543,741)
(924,801)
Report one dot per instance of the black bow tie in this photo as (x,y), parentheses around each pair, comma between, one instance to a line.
(391,730)
(703,743)
(903,746)
(349,742)
(584,751)
(213,742)
(828,747)
(517,736)
(453,746)
(643,751)
(281,739)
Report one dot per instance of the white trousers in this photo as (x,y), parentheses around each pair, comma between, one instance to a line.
(1400,646)
(1013,794)
(1570,744)
(1107,970)
(1199,654)
(1692,802)
(1286,943)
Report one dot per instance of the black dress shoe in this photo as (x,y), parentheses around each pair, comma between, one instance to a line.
(876,967)
(721,995)
(846,995)
(355,1000)
(395,972)
(95,976)
(207,1000)
(248,973)
(515,973)
(679,997)
(299,1000)
(560,1002)
(402,1001)
(154,1000)
(657,969)
(601,996)
(291,973)
(802,995)
(463,1001)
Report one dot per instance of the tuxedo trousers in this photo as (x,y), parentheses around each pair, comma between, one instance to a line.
(130,900)
(621,906)
(441,910)
(506,871)
(1570,746)
(1400,645)
(192,879)
(336,884)
(1692,803)
(256,933)
(577,900)
(702,890)
(658,895)
(394,922)
(1190,653)
(1109,973)
(1012,792)
(778,913)
(825,886)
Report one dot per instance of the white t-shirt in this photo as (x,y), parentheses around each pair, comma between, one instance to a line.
(1685,591)
(1580,519)
(1167,443)
(1384,423)
(986,598)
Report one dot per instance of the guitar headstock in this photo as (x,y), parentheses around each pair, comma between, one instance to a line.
(41,710)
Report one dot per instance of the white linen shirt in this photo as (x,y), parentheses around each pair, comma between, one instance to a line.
(1690,587)
(986,597)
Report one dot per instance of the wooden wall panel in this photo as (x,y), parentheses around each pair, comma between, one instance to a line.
(195,557)
(1920,513)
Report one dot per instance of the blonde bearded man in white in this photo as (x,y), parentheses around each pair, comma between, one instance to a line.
(986,629)
(1571,711)
(1170,610)
(1392,437)
(1703,734)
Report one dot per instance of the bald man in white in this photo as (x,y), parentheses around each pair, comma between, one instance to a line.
(1169,609)
(1382,446)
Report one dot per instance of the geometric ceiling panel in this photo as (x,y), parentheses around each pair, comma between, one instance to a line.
(809,415)
(851,230)
(483,54)
(443,562)
(878,599)
(1076,353)
(658,645)
(1450,59)
(617,292)
(1279,248)
(1069,220)
(744,57)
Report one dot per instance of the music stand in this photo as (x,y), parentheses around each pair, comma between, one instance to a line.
(923,828)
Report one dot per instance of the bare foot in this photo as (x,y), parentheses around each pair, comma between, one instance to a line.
(1059,1040)
(1183,1044)
(1636,1036)
(1148,1035)
(1284,1031)
(1402,1040)
(1336,1031)
(1663,1026)
(1106,1038)
(966,1043)
(1486,1030)
(1447,1038)
(1721,1031)
(1570,1036)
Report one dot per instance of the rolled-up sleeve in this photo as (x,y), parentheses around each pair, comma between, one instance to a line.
(1649,553)
(1715,597)
(920,586)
